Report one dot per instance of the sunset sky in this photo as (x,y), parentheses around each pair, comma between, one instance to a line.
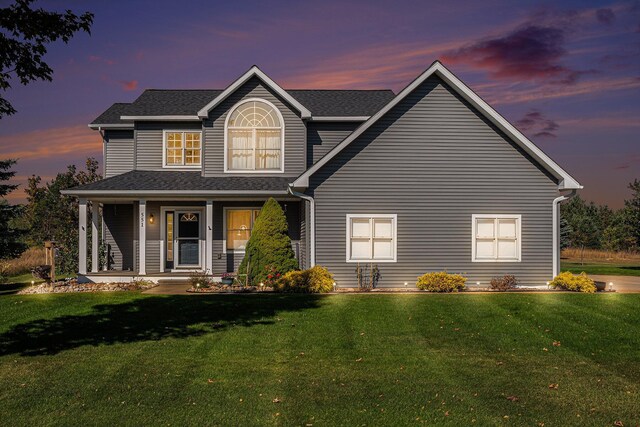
(566,73)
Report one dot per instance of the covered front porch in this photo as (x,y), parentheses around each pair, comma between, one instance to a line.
(169,239)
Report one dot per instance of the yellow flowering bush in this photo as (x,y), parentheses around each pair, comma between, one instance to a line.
(571,282)
(441,282)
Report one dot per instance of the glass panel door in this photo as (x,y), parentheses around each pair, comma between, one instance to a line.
(188,238)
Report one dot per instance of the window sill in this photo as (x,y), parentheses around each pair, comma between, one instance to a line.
(254,171)
(370,261)
(496,260)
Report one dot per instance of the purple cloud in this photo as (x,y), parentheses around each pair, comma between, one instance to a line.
(538,123)
(530,52)
(605,16)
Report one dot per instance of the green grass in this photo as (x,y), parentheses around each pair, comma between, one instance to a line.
(605,269)
(130,358)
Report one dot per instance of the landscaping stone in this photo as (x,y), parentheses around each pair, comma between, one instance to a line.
(72,285)
(222,289)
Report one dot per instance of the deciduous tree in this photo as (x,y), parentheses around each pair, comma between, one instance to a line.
(24,35)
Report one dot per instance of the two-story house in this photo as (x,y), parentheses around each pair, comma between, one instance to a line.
(429,179)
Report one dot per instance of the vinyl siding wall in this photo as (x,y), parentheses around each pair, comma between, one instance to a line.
(148,147)
(118,152)
(295,132)
(323,136)
(434,161)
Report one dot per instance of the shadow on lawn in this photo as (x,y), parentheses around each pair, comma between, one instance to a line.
(151,318)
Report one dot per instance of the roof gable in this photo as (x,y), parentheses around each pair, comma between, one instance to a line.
(254,72)
(566,180)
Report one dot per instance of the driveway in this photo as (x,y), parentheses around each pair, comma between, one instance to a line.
(620,283)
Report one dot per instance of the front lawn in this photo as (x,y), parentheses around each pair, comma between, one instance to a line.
(602,268)
(408,359)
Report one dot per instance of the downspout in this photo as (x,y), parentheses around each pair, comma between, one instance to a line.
(312,224)
(556,229)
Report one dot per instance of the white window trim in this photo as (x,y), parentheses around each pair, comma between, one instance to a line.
(474,233)
(164,148)
(226,135)
(394,229)
(224,226)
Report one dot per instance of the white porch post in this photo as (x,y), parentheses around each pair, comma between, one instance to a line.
(94,236)
(82,236)
(209,238)
(142,238)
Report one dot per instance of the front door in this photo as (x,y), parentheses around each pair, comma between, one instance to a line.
(183,239)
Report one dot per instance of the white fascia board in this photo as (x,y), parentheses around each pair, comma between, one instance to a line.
(164,118)
(110,126)
(254,71)
(339,118)
(566,181)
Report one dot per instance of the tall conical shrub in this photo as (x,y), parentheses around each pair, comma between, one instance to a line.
(269,248)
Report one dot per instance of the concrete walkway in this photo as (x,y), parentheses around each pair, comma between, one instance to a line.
(169,289)
(625,284)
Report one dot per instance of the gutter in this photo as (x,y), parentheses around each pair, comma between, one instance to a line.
(312,224)
(556,229)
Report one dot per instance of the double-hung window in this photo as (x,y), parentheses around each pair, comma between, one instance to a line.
(371,238)
(182,149)
(239,223)
(496,238)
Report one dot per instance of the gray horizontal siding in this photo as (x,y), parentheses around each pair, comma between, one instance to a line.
(295,131)
(148,137)
(322,137)
(434,161)
(118,152)
(118,236)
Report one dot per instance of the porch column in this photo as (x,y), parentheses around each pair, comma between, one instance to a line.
(209,238)
(82,236)
(142,238)
(94,237)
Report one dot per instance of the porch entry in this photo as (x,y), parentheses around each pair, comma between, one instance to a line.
(182,236)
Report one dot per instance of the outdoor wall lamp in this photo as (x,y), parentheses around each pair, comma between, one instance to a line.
(151,219)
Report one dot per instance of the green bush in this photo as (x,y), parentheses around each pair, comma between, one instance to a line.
(441,282)
(269,247)
(504,283)
(315,280)
(571,282)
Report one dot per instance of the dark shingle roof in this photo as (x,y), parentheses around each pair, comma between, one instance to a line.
(340,103)
(333,103)
(155,102)
(112,114)
(178,181)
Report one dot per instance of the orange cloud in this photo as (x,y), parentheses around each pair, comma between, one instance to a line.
(382,66)
(129,85)
(51,143)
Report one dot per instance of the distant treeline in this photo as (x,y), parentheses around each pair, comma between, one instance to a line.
(587,225)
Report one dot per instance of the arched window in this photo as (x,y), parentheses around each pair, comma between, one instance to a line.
(254,137)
